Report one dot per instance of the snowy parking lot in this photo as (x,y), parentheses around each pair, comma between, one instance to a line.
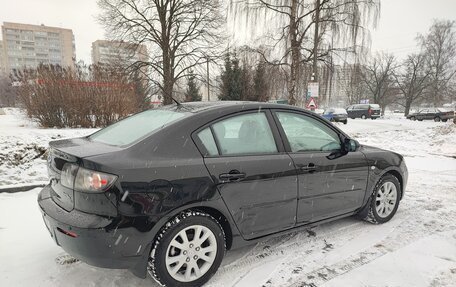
(416,248)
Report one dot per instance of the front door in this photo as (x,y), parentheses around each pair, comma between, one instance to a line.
(254,175)
(328,186)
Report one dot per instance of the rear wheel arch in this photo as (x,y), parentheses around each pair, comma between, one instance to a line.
(221,218)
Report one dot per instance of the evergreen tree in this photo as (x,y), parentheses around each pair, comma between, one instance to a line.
(141,90)
(245,84)
(231,89)
(260,85)
(236,84)
(226,79)
(192,94)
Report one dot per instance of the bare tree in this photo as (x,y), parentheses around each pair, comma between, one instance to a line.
(439,45)
(353,88)
(377,75)
(181,34)
(308,30)
(413,80)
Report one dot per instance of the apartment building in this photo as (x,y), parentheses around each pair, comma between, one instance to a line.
(2,59)
(26,46)
(107,52)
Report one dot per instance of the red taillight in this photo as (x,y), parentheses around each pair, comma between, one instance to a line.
(370,111)
(69,233)
(93,181)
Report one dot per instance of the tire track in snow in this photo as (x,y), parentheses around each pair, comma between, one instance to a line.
(429,223)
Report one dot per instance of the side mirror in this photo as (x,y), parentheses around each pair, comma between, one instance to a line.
(349,145)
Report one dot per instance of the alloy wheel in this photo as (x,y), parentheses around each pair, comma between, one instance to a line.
(191,253)
(386,199)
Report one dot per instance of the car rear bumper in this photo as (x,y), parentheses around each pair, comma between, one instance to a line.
(340,118)
(95,240)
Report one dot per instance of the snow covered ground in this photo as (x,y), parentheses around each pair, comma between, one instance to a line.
(416,248)
(22,145)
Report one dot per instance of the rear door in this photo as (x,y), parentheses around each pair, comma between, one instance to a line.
(254,175)
(328,186)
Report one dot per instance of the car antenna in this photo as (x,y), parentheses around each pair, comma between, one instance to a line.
(177,103)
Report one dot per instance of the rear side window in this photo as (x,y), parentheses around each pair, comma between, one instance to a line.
(245,134)
(136,127)
(208,141)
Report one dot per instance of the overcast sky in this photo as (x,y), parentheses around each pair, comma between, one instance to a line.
(400,21)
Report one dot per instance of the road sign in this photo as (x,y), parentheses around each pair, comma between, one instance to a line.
(313,88)
(312,104)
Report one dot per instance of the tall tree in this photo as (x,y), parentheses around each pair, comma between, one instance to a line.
(231,86)
(413,80)
(439,45)
(378,77)
(245,83)
(180,34)
(308,30)
(192,94)
(355,88)
(260,86)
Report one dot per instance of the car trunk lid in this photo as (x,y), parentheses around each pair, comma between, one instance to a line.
(70,151)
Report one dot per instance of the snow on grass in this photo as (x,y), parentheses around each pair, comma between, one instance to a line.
(416,248)
(23,146)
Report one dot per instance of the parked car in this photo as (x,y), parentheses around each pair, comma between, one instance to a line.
(364,111)
(168,190)
(336,115)
(436,114)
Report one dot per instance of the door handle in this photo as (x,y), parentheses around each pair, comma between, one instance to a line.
(232,175)
(311,167)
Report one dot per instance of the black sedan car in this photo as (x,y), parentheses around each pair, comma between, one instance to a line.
(169,190)
(434,114)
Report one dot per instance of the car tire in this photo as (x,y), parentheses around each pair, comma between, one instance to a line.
(363,117)
(345,122)
(413,118)
(445,120)
(381,208)
(437,119)
(164,256)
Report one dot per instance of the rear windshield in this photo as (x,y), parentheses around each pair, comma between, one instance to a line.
(375,106)
(136,127)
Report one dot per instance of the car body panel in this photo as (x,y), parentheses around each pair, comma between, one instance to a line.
(167,173)
(431,114)
(360,110)
(335,115)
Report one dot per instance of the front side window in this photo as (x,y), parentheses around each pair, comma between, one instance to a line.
(306,134)
(245,134)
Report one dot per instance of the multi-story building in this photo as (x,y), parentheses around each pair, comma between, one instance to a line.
(109,52)
(27,46)
(2,58)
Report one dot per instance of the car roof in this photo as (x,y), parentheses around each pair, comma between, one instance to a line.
(198,107)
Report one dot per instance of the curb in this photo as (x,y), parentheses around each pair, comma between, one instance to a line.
(20,188)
